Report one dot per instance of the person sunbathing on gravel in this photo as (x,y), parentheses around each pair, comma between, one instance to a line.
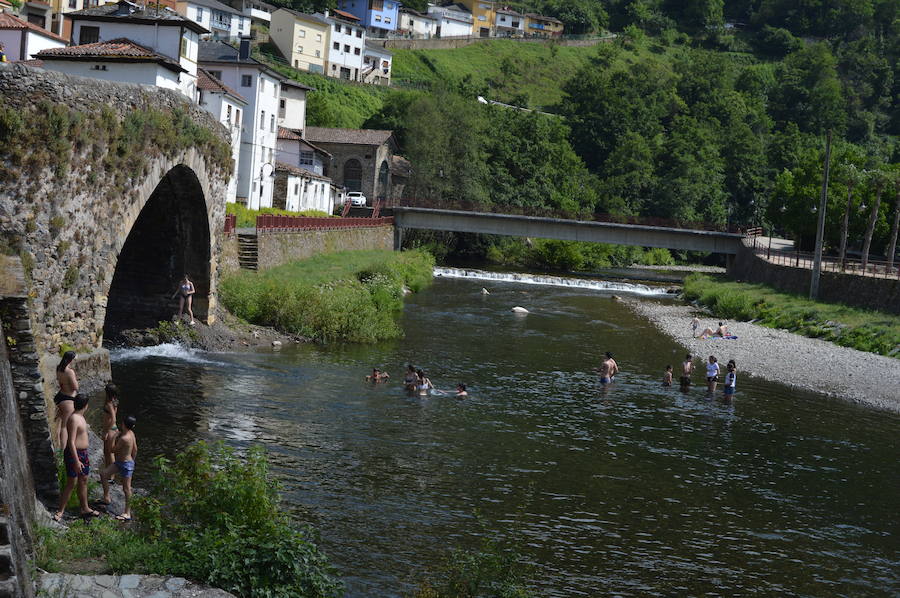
(721,331)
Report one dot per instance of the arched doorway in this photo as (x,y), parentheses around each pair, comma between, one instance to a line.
(384,181)
(170,238)
(353,175)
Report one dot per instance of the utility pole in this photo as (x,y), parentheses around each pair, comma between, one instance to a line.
(820,229)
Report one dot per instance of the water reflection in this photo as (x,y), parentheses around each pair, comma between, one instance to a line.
(630,489)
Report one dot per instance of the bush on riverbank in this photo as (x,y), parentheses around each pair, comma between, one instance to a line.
(351,296)
(871,331)
(246,218)
(212,516)
(568,256)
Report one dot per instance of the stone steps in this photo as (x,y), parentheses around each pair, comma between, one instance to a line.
(248,252)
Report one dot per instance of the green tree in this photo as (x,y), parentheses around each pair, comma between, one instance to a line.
(808,91)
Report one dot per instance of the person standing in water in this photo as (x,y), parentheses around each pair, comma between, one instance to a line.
(423,384)
(64,399)
(78,464)
(608,369)
(377,376)
(687,368)
(712,373)
(730,380)
(410,378)
(185,294)
(667,377)
(125,449)
(110,428)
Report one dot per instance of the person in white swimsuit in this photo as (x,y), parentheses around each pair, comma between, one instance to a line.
(712,373)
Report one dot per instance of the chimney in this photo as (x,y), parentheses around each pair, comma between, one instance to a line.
(244,50)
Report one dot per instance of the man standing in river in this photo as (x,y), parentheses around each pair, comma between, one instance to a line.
(608,369)
(687,368)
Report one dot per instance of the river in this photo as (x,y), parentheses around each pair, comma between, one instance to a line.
(628,490)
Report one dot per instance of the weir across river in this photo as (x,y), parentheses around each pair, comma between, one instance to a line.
(566,230)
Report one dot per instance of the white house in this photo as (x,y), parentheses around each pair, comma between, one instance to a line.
(377,64)
(294,150)
(159,29)
(116,60)
(451,21)
(345,54)
(292,105)
(222,20)
(23,39)
(298,189)
(257,11)
(227,106)
(509,23)
(416,24)
(261,88)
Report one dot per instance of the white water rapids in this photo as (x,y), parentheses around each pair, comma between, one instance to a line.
(554,281)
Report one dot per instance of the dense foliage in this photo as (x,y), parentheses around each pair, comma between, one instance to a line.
(245,217)
(351,296)
(212,516)
(871,331)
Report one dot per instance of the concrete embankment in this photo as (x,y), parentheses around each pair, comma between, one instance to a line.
(784,357)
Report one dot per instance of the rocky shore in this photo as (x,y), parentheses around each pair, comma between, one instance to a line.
(784,357)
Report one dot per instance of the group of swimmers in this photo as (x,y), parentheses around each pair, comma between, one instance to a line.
(119,445)
(415,382)
(712,375)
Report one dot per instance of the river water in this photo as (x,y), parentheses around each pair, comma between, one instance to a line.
(629,490)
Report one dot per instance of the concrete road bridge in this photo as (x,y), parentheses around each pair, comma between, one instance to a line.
(566,230)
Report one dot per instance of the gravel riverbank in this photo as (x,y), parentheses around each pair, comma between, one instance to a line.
(781,356)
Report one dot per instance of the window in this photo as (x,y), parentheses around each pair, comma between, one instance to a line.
(306,158)
(102,67)
(335,46)
(503,18)
(318,53)
(318,37)
(199,14)
(262,86)
(184,51)
(296,188)
(482,18)
(356,51)
(262,119)
(73,4)
(378,18)
(272,125)
(376,5)
(347,48)
(246,81)
(353,175)
(387,19)
(237,115)
(228,113)
(337,27)
(88,35)
(216,75)
(366,60)
(359,33)
(296,64)
(300,49)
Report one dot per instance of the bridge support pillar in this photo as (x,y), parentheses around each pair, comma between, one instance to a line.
(398,238)
(729,262)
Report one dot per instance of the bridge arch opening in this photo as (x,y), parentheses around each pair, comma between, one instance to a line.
(169,239)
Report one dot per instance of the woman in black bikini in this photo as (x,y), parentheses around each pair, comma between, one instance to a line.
(64,399)
(185,294)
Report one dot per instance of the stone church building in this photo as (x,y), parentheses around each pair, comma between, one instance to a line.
(361,159)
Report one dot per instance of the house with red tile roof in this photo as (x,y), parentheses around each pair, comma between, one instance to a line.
(119,60)
(21,39)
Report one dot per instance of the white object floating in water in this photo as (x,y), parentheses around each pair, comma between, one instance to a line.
(484,291)
(520,310)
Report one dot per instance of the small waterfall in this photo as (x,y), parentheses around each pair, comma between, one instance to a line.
(166,351)
(555,281)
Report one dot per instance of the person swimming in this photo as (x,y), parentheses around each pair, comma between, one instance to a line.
(410,378)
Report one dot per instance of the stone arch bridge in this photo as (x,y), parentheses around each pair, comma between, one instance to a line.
(110,193)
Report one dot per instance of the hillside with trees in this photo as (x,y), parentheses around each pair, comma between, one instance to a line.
(698,111)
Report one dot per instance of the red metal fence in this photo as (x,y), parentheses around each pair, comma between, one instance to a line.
(271,223)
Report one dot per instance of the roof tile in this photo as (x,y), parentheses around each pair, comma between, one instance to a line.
(9,21)
(348,136)
(121,49)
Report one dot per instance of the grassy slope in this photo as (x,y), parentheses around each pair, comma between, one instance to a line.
(866,330)
(539,70)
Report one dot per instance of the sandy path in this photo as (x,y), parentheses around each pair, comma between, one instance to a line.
(781,356)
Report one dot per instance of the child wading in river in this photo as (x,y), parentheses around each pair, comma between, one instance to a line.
(667,377)
(125,450)
(730,380)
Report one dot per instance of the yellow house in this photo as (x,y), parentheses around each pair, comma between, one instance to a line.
(301,38)
(540,26)
(483,16)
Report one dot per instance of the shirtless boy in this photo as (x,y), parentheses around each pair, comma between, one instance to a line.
(78,465)
(608,369)
(125,450)
(687,368)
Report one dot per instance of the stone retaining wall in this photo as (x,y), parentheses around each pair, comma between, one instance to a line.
(834,287)
(462,42)
(277,248)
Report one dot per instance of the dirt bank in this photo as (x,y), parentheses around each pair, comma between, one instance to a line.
(784,357)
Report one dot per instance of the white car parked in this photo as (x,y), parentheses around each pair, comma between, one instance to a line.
(357,199)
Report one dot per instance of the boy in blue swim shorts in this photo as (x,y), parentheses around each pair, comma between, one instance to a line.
(124,451)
